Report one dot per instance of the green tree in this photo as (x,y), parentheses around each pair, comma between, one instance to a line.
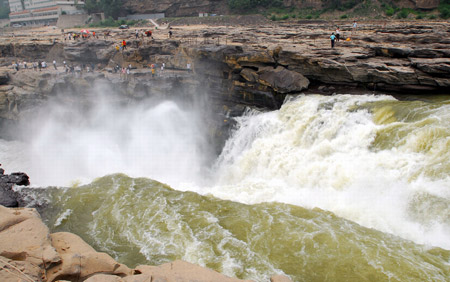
(111,8)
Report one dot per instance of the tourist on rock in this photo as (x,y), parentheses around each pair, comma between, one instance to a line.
(124,45)
(40,65)
(332,37)
(354,27)
(25,65)
(170,34)
(54,65)
(137,34)
(338,34)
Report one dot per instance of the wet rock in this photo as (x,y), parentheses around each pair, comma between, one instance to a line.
(8,197)
(282,80)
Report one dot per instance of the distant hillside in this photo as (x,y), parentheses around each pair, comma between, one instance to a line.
(180,8)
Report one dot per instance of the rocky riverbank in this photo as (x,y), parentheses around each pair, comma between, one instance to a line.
(255,65)
(30,253)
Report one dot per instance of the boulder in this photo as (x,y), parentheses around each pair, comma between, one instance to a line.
(280,278)
(183,271)
(104,278)
(24,237)
(282,80)
(114,278)
(79,260)
(8,197)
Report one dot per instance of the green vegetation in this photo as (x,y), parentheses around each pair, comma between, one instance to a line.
(343,5)
(403,14)
(249,6)
(111,8)
(4,9)
(275,9)
(444,9)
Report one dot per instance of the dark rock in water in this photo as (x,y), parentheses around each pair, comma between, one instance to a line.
(8,197)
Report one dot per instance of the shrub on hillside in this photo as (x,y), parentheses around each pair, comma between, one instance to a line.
(403,14)
(444,9)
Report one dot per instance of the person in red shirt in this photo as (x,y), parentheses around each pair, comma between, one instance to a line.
(124,45)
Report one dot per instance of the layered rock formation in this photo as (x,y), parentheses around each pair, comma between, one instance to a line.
(235,66)
(29,253)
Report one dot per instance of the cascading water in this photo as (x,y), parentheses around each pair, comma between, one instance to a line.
(372,160)
(73,143)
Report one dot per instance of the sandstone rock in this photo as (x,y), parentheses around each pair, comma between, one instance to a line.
(249,75)
(283,80)
(104,278)
(280,278)
(79,260)
(183,271)
(14,270)
(23,236)
(143,278)
(132,278)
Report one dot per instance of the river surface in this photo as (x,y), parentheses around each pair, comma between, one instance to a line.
(328,188)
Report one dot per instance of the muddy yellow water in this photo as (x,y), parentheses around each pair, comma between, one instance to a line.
(141,221)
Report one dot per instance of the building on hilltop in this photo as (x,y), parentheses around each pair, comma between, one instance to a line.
(41,12)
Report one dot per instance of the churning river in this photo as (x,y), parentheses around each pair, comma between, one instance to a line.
(328,188)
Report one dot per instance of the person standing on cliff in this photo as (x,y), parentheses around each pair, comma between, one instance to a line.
(124,45)
(338,34)
(354,28)
(332,37)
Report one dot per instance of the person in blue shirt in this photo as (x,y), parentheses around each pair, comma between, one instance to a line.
(332,37)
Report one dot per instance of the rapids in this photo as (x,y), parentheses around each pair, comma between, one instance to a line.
(328,188)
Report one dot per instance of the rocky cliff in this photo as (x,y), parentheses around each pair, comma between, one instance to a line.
(178,8)
(235,67)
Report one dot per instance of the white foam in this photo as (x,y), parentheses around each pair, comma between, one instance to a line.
(317,152)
